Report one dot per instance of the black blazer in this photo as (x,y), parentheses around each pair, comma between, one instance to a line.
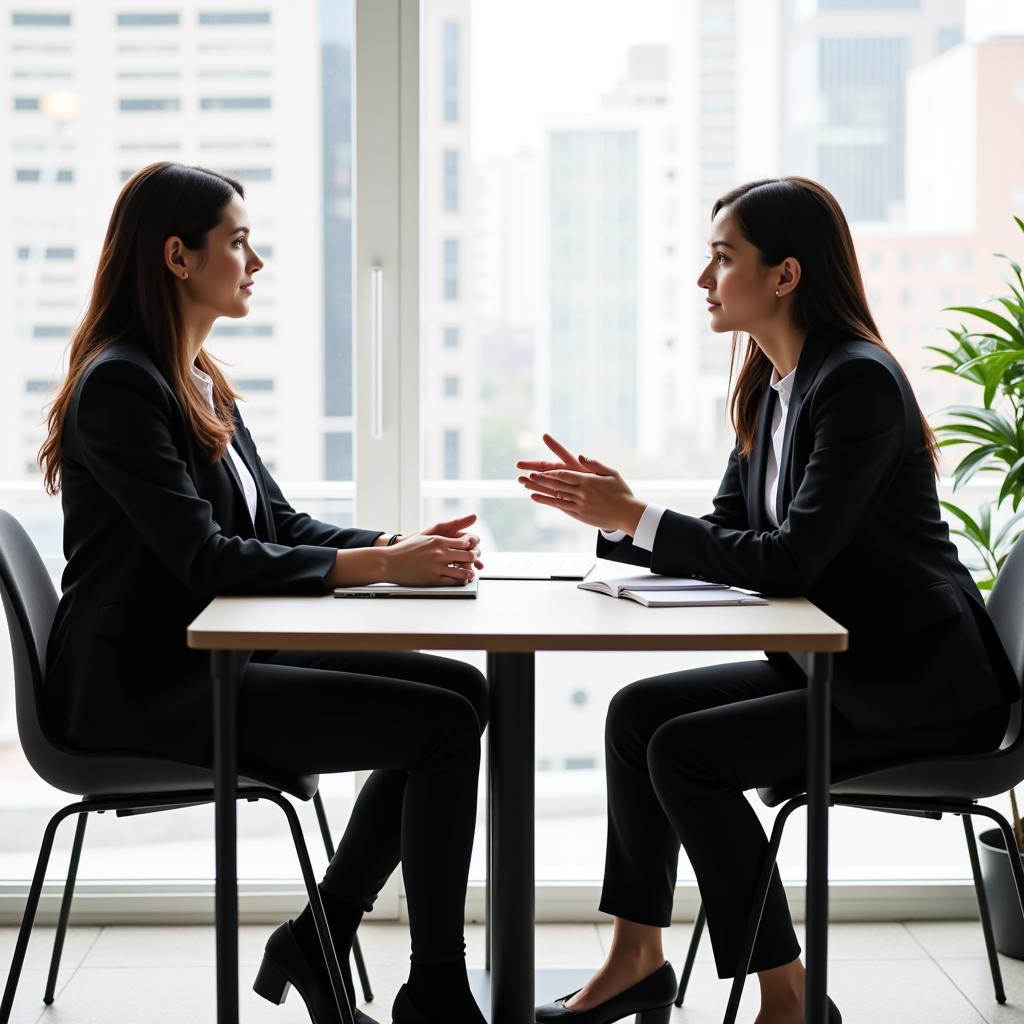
(152,532)
(861,536)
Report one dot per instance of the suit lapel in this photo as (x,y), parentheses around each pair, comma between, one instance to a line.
(811,357)
(240,441)
(759,461)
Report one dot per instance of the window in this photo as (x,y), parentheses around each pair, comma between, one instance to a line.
(37,387)
(149,104)
(451,338)
(451,181)
(451,387)
(452,453)
(25,175)
(28,19)
(22,103)
(147,20)
(234,17)
(247,386)
(51,332)
(450,64)
(60,252)
(451,270)
(235,103)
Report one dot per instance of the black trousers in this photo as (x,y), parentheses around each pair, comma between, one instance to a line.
(682,748)
(414,718)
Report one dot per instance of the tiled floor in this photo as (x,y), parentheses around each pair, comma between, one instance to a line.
(909,973)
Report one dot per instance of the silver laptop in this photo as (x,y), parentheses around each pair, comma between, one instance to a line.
(535,565)
(470,589)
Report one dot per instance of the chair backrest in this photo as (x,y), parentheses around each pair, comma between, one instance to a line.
(1006,610)
(30,601)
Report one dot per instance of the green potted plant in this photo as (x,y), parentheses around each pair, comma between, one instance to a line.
(992,357)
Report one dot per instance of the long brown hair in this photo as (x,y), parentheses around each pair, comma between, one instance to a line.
(797,217)
(133,300)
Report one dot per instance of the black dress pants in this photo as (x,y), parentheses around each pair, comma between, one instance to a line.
(682,748)
(416,720)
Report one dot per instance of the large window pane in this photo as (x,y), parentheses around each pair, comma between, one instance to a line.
(586,188)
(263,94)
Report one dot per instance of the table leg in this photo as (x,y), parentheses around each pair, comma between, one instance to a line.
(511,756)
(819,682)
(225,672)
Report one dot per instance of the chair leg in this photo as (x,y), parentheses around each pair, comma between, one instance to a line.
(757,909)
(357,952)
(313,894)
(31,905)
(986,919)
(1011,844)
(65,908)
(691,954)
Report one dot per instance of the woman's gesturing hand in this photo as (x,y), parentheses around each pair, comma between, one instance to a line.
(582,488)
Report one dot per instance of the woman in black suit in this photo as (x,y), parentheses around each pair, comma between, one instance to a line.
(167,504)
(830,494)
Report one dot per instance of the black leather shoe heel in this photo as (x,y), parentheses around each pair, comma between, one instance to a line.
(271,983)
(651,1000)
(287,963)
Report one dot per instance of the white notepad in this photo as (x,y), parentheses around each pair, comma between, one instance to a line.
(395,590)
(671,591)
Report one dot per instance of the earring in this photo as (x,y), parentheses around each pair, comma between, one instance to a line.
(776,290)
(184,277)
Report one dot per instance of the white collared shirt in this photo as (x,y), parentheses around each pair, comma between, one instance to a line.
(647,528)
(248,484)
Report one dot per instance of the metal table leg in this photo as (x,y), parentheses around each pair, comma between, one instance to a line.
(226,676)
(511,756)
(819,681)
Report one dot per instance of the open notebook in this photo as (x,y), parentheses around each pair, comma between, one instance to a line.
(670,591)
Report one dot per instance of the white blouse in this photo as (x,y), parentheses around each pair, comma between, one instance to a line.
(248,484)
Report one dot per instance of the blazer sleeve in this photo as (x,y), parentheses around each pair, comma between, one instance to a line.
(297,528)
(730,509)
(858,420)
(122,426)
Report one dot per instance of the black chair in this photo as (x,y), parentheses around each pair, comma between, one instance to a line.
(126,784)
(920,788)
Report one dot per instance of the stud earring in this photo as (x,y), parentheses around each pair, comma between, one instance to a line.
(184,277)
(776,290)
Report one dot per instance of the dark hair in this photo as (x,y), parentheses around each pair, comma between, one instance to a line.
(133,300)
(799,218)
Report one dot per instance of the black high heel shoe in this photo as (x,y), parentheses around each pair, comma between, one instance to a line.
(834,1016)
(286,962)
(651,1000)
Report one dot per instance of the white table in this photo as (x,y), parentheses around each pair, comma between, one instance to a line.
(511,621)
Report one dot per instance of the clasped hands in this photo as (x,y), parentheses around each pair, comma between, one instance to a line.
(441,555)
(583,488)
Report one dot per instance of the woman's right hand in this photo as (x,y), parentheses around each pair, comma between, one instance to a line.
(426,560)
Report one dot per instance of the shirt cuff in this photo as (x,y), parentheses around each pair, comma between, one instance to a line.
(614,535)
(647,528)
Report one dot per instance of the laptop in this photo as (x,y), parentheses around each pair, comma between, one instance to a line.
(535,565)
(467,590)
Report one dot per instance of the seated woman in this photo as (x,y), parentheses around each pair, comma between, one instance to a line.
(166,505)
(829,493)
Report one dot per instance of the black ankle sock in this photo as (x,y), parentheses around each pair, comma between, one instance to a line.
(343,921)
(441,990)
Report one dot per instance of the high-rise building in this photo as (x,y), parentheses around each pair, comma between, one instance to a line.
(92,92)
(845,69)
(450,351)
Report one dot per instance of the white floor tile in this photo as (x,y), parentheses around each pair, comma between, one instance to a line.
(973,979)
(28,1002)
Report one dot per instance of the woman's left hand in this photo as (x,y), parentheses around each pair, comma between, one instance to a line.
(597,496)
(456,528)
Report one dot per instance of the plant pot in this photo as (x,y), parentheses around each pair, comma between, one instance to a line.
(1003,904)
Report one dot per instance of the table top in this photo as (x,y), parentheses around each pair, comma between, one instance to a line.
(510,615)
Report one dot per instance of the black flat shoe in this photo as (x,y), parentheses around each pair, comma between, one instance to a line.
(286,963)
(651,1000)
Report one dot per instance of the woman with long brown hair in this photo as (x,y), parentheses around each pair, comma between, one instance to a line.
(830,494)
(168,504)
